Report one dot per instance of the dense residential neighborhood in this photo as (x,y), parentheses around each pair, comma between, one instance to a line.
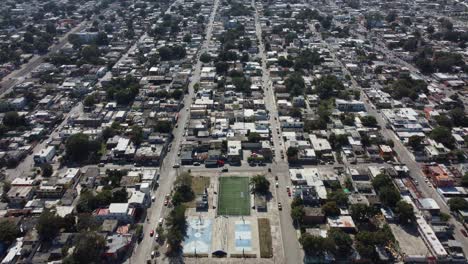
(233,131)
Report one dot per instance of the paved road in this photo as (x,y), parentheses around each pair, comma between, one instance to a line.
(18,75)
(291,249)
(168,173)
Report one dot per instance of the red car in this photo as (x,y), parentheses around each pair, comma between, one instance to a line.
(463,231)
(151,233)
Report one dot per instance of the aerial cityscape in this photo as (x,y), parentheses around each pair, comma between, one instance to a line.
(233,131)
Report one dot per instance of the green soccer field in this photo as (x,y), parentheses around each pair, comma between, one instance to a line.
(234,196)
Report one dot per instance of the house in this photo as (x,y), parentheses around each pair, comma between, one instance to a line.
(44,155)
(350,106)
(117,246)
(19,195)
(234,151)
(118,211)
(313,216)
(439,175)
(343,222)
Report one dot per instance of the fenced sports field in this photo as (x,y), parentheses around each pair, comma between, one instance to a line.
(234,196)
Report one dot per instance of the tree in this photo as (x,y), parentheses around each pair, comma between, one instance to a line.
(177,228)
(89,248)
(292,153)
(295,84)
(254,137)
(406,87)
(328,86)
(8,231)
(464,180)
(457,204)
(47,170)
(222,67)
(297,214)
(90,54)
(295,112)
(458,117)
(443,135)
(389,196)
(361,212)
(13,120)
(260,184)
(187,38)
(381,180)
(330,209)
(339,197)
(316,245)
(28,37)
(343,242)
(120,196)
(51,29)
(90,100)
(369,121)
(183,189)
(405,212)
(78,147)
(205,58)
(415,142)
(430,29)
(48,225)
(101,39)
(136,135)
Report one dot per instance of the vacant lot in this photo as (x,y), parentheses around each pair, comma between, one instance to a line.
(264,232)
(234,196)
(198,186)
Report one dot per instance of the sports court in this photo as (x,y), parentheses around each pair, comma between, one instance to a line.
(199,235)
(243,236)
(234,196)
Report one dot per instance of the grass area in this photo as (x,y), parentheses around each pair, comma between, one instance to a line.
(264,234)
(198,186)
(234,196)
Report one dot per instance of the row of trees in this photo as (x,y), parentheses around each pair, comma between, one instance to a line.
(89,201)
(122,90)
(176,222)
(390,196)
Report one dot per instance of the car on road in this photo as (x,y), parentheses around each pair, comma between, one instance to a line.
(153,198)
(280,207)
(277,184)
(225,170)
(153,254)
(151,233)
(160,221)
(176,166)
(196,164)
(463,231)
(166,202)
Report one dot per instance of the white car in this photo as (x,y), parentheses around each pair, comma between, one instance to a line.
(176,166)
(160,221)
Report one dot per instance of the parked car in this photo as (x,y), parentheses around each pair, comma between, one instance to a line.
(151,233)
(280,207)
(176,166)
(463,231)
